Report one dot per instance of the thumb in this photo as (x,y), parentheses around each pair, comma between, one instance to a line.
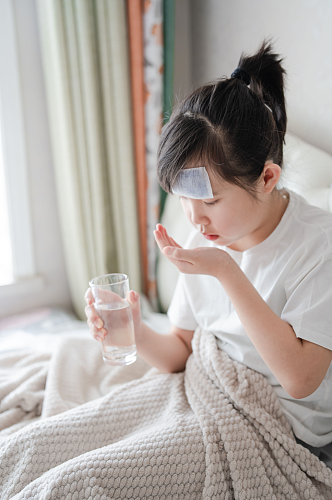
(133,298)
(176,253)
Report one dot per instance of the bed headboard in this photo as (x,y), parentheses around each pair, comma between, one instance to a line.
(307,171)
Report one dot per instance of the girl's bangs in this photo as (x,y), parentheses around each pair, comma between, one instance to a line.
(188,142)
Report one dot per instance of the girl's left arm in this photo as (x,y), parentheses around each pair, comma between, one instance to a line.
(299,366)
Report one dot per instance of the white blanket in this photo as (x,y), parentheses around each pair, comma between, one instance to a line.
(215,431)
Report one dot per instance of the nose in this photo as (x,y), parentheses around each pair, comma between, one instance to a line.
(197,213)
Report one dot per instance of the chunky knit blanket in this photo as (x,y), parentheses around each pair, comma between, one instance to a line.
(215,431)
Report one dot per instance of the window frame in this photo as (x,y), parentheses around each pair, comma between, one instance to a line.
(15,158)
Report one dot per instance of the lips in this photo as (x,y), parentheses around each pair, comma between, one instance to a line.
(211,237)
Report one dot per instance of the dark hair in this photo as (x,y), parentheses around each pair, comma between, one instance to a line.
(227,126)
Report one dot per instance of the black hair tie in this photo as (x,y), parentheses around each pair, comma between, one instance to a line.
(241,75)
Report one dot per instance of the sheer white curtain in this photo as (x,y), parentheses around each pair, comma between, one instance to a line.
(85,54)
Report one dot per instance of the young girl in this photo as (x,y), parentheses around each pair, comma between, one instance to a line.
(257,268)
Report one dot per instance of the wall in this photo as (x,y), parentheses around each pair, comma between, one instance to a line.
(221,30)
(46,231)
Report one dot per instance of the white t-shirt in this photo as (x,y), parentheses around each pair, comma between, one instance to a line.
(292,271)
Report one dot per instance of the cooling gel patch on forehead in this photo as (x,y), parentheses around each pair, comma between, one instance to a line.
(193,183)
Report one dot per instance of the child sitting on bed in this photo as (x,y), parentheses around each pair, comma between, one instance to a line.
(257,267)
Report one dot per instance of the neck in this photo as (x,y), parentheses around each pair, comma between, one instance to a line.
(278,205)
(272,216)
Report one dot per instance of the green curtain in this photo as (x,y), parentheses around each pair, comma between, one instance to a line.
(85,56)
(169,39)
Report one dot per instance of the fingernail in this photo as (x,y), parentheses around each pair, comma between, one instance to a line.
(98,338)
(98,323)
(168,251)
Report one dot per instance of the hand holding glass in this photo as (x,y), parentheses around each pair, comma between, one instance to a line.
(110,294)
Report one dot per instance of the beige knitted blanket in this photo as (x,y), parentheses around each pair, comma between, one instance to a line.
(216,431)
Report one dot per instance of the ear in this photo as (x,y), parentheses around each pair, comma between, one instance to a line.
(270,176)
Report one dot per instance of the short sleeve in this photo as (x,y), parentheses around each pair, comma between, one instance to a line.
(309,303)
(180,312)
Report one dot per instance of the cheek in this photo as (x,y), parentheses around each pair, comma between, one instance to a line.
(226,219)
(242,216)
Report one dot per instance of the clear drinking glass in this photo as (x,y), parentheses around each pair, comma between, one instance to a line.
(110,293)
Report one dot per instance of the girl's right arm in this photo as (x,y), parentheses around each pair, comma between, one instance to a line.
(167,352)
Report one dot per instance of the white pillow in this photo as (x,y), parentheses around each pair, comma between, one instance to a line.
(308,171)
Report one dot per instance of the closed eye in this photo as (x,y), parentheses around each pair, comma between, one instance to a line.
(212,202)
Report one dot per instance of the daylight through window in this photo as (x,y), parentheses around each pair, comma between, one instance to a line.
(6,265)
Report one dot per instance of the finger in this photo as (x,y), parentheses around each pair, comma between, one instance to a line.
(160,233)
(180,264)
(174,243)
(134,300)
(165,234)
(159,240)
(93,316)
(161,244)
(169,238)
(88,297)
(163,239)
(162,230)
(177,254)
(133,297)
(97,333)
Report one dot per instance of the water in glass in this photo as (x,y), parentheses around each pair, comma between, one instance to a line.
(119,344)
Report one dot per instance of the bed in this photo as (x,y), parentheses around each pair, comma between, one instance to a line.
(72,427)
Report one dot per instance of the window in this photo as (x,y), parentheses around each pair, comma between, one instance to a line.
(6,263)
(18,249)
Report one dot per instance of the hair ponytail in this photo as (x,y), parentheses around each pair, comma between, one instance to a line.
(267,80)
(232,125)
